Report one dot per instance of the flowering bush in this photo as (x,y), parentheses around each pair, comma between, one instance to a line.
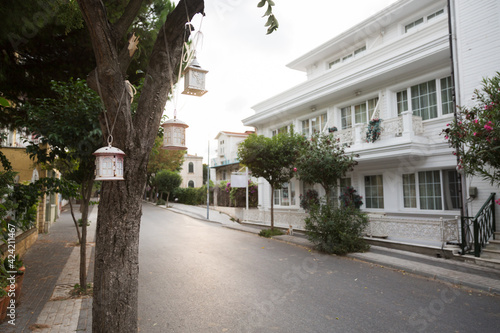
(349,198)
(310,199)
(374,130)
(475,133)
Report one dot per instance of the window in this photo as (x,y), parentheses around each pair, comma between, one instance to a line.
(285,196)
(430,190)
(360,51)
(447,95)
(348,57)
(191,167)
(409,27)
(436,14)
(191,184)
(314,125)
(409,191)
(434,189)
(362,113)
(374,191)
(346,117)
(283,129)
(333,63)
(414,24)
(402,101)
(424,99)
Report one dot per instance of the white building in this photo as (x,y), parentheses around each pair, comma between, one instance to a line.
(192,171)
(226,161)
(396,66)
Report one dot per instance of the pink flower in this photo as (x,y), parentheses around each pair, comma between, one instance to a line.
(475,133)
(497,201)
(448,125)
(476,121)
(488,128)
(295,169)
(446,137)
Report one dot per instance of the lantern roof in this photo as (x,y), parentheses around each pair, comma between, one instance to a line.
(109,150)
(175,121)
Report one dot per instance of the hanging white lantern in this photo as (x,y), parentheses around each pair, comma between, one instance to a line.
(194,79)
(174,134)
(109,163)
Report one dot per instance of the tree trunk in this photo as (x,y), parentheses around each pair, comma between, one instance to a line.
(75,221)
(86,196)
(115,299)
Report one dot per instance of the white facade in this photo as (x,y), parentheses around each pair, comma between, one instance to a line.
(226,160)
(394,66)
(192,171)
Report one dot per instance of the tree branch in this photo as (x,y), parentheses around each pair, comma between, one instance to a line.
(103,43)
(125,21)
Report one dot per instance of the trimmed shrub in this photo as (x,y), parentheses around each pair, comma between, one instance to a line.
(268,233)
(336,230)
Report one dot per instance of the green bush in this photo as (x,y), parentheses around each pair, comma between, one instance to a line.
(192,196)
(336,230)
(160,202)
(268,233)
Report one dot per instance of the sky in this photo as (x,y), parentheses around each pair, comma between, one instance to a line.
(246,66)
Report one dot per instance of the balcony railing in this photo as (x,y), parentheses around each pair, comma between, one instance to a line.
(406,125)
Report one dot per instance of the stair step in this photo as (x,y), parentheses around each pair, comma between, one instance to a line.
(486,262)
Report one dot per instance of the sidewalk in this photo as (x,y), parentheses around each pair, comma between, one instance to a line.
(52,269)
(464,274)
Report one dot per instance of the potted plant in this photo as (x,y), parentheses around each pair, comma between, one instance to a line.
(4,298)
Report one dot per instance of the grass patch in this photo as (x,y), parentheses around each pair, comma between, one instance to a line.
(268,233)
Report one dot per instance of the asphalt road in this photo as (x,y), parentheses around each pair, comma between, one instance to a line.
(198,276)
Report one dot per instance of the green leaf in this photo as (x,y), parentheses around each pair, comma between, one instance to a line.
(269,11)
(271,2)
(4,102)
(262,3)
(269,21)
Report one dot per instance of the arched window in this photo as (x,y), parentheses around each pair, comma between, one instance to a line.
(191,167)
(191,183)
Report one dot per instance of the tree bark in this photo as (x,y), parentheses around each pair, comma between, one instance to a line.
(115,299)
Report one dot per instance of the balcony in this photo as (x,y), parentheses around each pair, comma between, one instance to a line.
(222,162)
(404,132)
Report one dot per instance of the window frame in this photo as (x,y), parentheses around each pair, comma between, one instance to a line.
(353,114)
(369,198)
(448,201)
(423,20)
(291,195)
(440,104)
(323,120)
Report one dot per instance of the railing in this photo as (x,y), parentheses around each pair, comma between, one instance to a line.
(476,231)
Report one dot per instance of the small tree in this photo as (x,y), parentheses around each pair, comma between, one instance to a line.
(167,181)
(69,125)
(475,133)
(271,158)
(323,161)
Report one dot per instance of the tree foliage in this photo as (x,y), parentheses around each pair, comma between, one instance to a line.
(271,158)
(323,161)
(167,181)
(475,133)
(69,132)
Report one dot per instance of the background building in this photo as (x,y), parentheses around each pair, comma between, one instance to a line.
(192,171)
